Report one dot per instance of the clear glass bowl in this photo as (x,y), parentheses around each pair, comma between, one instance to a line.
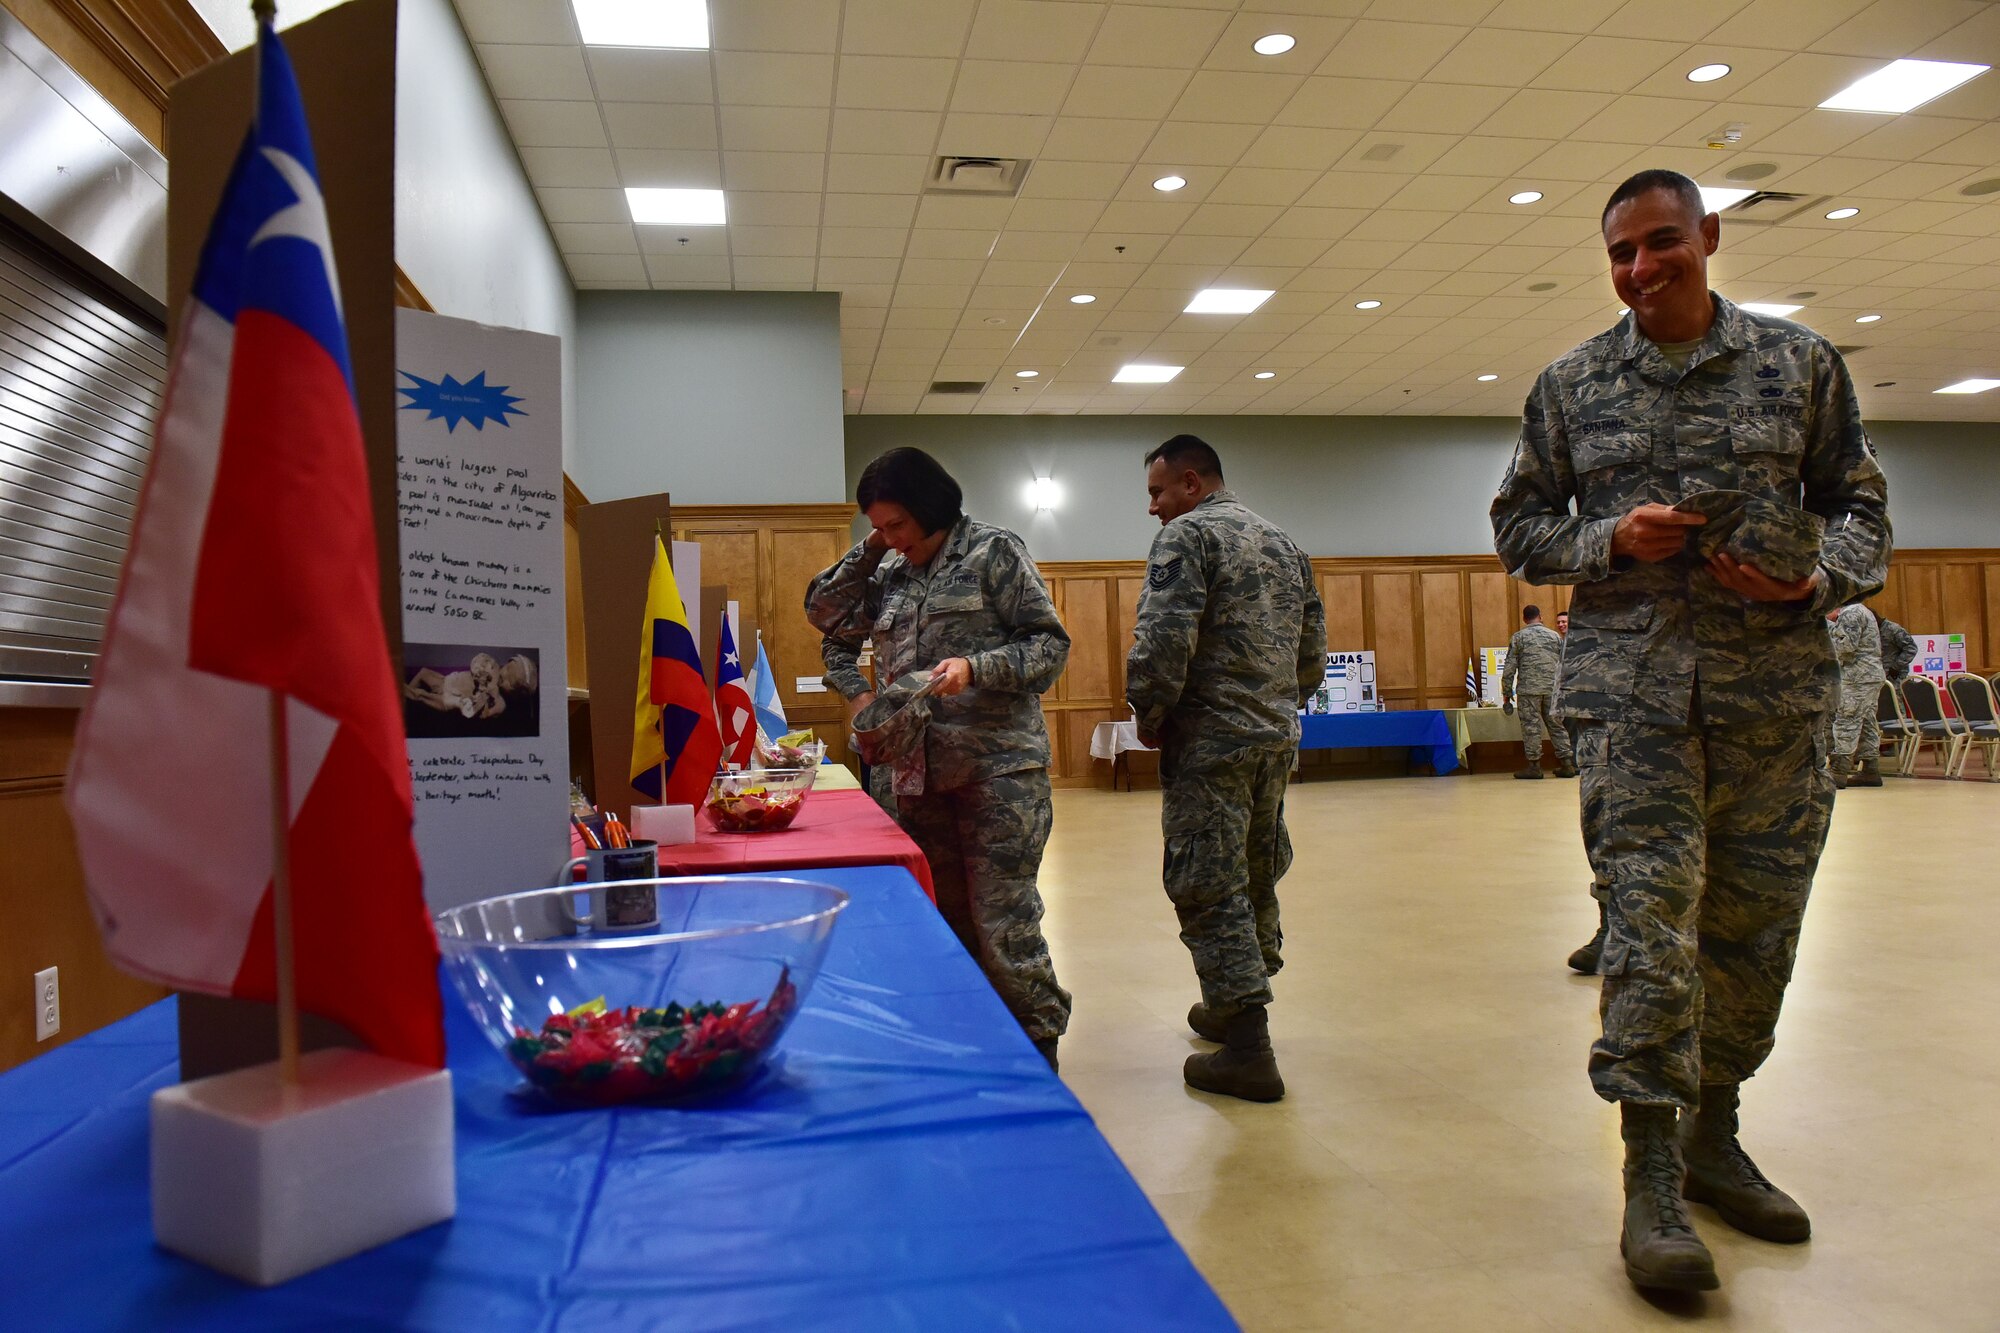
(758,800)
(689,1005)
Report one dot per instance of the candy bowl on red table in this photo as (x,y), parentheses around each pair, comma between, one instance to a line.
(688,1006)
(758,800)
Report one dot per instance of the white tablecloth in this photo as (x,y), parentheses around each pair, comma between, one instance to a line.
(1108,740)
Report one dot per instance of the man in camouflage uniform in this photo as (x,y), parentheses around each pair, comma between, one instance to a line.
(1857,725)
(1898,651)
(1231,639)
(1699,691)
(934,589)
(1534,658)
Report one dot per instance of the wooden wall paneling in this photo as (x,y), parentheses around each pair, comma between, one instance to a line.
(1494,617)
(1991,663)
(1444,646)
(1087,615)
(1964,607)
(1923,599)
(800,549)
(1346,627)
(1888,604)
(1392,607)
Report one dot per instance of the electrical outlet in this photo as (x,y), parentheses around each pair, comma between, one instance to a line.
(48,1004)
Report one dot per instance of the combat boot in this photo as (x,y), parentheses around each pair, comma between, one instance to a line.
(1246,1066)
(1721,1175)
(1565,769)
(1869,774)
(1584,960)
(1206,1025)
(1531,771)
(1659,1243)
(1047,1047)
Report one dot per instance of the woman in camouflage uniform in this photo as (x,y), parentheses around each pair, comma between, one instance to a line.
(934,589)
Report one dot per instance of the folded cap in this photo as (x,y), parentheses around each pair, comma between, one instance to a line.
(1779,539)
(893,723)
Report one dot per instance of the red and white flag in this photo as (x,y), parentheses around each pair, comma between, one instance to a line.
(733,709)
(252,569)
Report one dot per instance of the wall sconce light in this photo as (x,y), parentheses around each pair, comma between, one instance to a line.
(1044,493)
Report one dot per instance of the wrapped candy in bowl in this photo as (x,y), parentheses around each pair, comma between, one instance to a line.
(758,800)
(795,749)
(690,1006)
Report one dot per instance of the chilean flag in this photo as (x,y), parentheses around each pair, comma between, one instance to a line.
(733,708)
(252,570)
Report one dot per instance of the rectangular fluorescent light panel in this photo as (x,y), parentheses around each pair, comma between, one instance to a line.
(1778,308)
(1136,373)
(670,23)
(1716,198)
(1226,301)
(1902,84)
(1969,386)
(675,208)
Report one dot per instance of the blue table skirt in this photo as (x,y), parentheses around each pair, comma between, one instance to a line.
(912,1165)
(1424,732)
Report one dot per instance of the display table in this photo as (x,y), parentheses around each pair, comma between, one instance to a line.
(912,1166)
(1481,726)
(1113,741)
(836,828)
(1423,733)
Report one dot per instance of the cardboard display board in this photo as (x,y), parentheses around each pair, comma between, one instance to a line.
(483,603)
(1938,656)
(615,548)
(1349,685)
(1492,661)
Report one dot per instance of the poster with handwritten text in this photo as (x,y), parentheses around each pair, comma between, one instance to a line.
(479,451)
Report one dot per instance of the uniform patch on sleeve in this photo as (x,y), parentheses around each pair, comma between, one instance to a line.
(1164,575)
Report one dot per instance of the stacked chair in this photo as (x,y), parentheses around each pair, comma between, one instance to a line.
(1927,713)
(1979,720)
(1897,728)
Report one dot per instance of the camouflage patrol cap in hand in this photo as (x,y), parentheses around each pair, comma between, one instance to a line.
(894,722)
(1779,539)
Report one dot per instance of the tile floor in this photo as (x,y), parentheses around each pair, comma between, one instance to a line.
(1440,1162)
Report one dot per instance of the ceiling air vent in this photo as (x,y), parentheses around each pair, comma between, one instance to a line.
(997,177)
(1769,207)
(958,386)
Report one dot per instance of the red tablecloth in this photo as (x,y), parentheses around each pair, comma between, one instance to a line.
(836,828)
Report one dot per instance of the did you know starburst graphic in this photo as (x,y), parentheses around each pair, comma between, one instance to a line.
(473,401)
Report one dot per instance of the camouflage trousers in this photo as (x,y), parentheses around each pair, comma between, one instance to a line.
(984,843)
(1538,718)
(1223,817)
(1857,726)
(1707,838)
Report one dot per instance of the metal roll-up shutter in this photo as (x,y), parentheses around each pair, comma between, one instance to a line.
(81,379)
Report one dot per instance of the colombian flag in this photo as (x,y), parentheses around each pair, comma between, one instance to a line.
(673,724)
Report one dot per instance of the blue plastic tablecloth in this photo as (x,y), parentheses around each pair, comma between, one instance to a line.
(912,1165)
(1424,732)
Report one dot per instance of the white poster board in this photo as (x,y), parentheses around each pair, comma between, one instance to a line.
(1938,656)
(1492,661)
(1349,685)
(479,448)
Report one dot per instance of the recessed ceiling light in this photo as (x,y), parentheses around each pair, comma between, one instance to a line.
(1026,374)
(1169,183)
(1969,386)
(1274,44)
(676,208)
(1267,374)
(1707,73)
(673,23)
(1842,214)
(1082,298)
(1140,373)
(1885,384)
(1367,305)
(1541,286)
(1902,84)
(1866,319)
(1226,301)
(1715,198)
(1978,189)
(1488,379)
(1778,308)
(1525,197)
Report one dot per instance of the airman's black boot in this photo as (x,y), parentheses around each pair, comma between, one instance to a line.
(1206,1025)
(1246,1066)
(1659,1242)
(1868,773)
(1721,1175)
(1585,959)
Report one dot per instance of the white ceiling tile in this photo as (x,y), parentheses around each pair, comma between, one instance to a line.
(1314,36)
(1262,185)
(1375,49)
(1297,147)
(1119,92)
(535,72)
(672,168)
(632,74)
(969,134)
(676,270)
(1577,161)
(1613,65)
(1552,15)
(1184,143)
(1341,103)
(1544,112)
(595,238)
(958,272)
(1039,274)
(1009,87)
(775,129)
(1058,215)
(1502,56)
(1890,29)
(951,243)
(1480,154)
(607,268)
(1399,154)
(1910,136)
(774,78)
(870,210)
(767,209)
(695,242)
(1977,147)
(773,242)
(573,205)
(841,269)
(773,273)
(863,242)
(1230,97)
(1817,132)
(1271,249)
(863,131)
(1643,120)
(527,21)
(1805,80)
(555,124)
(1093,139)
(899,28)
(876,173)
(1353,189)
(1318,224)
(969,212)
(942,297)
(1443,108)
(1685,20)
(895,83)
(660,125)
(589,167)
(1073,180)
(1152,35)
(1037,245)
(1032,30)
(774,25)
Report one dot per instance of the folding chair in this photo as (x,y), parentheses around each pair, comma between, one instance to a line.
(1897,728)
(1933,727)
(1981,719)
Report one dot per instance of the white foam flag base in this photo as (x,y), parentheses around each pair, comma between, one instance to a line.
(265,1182)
